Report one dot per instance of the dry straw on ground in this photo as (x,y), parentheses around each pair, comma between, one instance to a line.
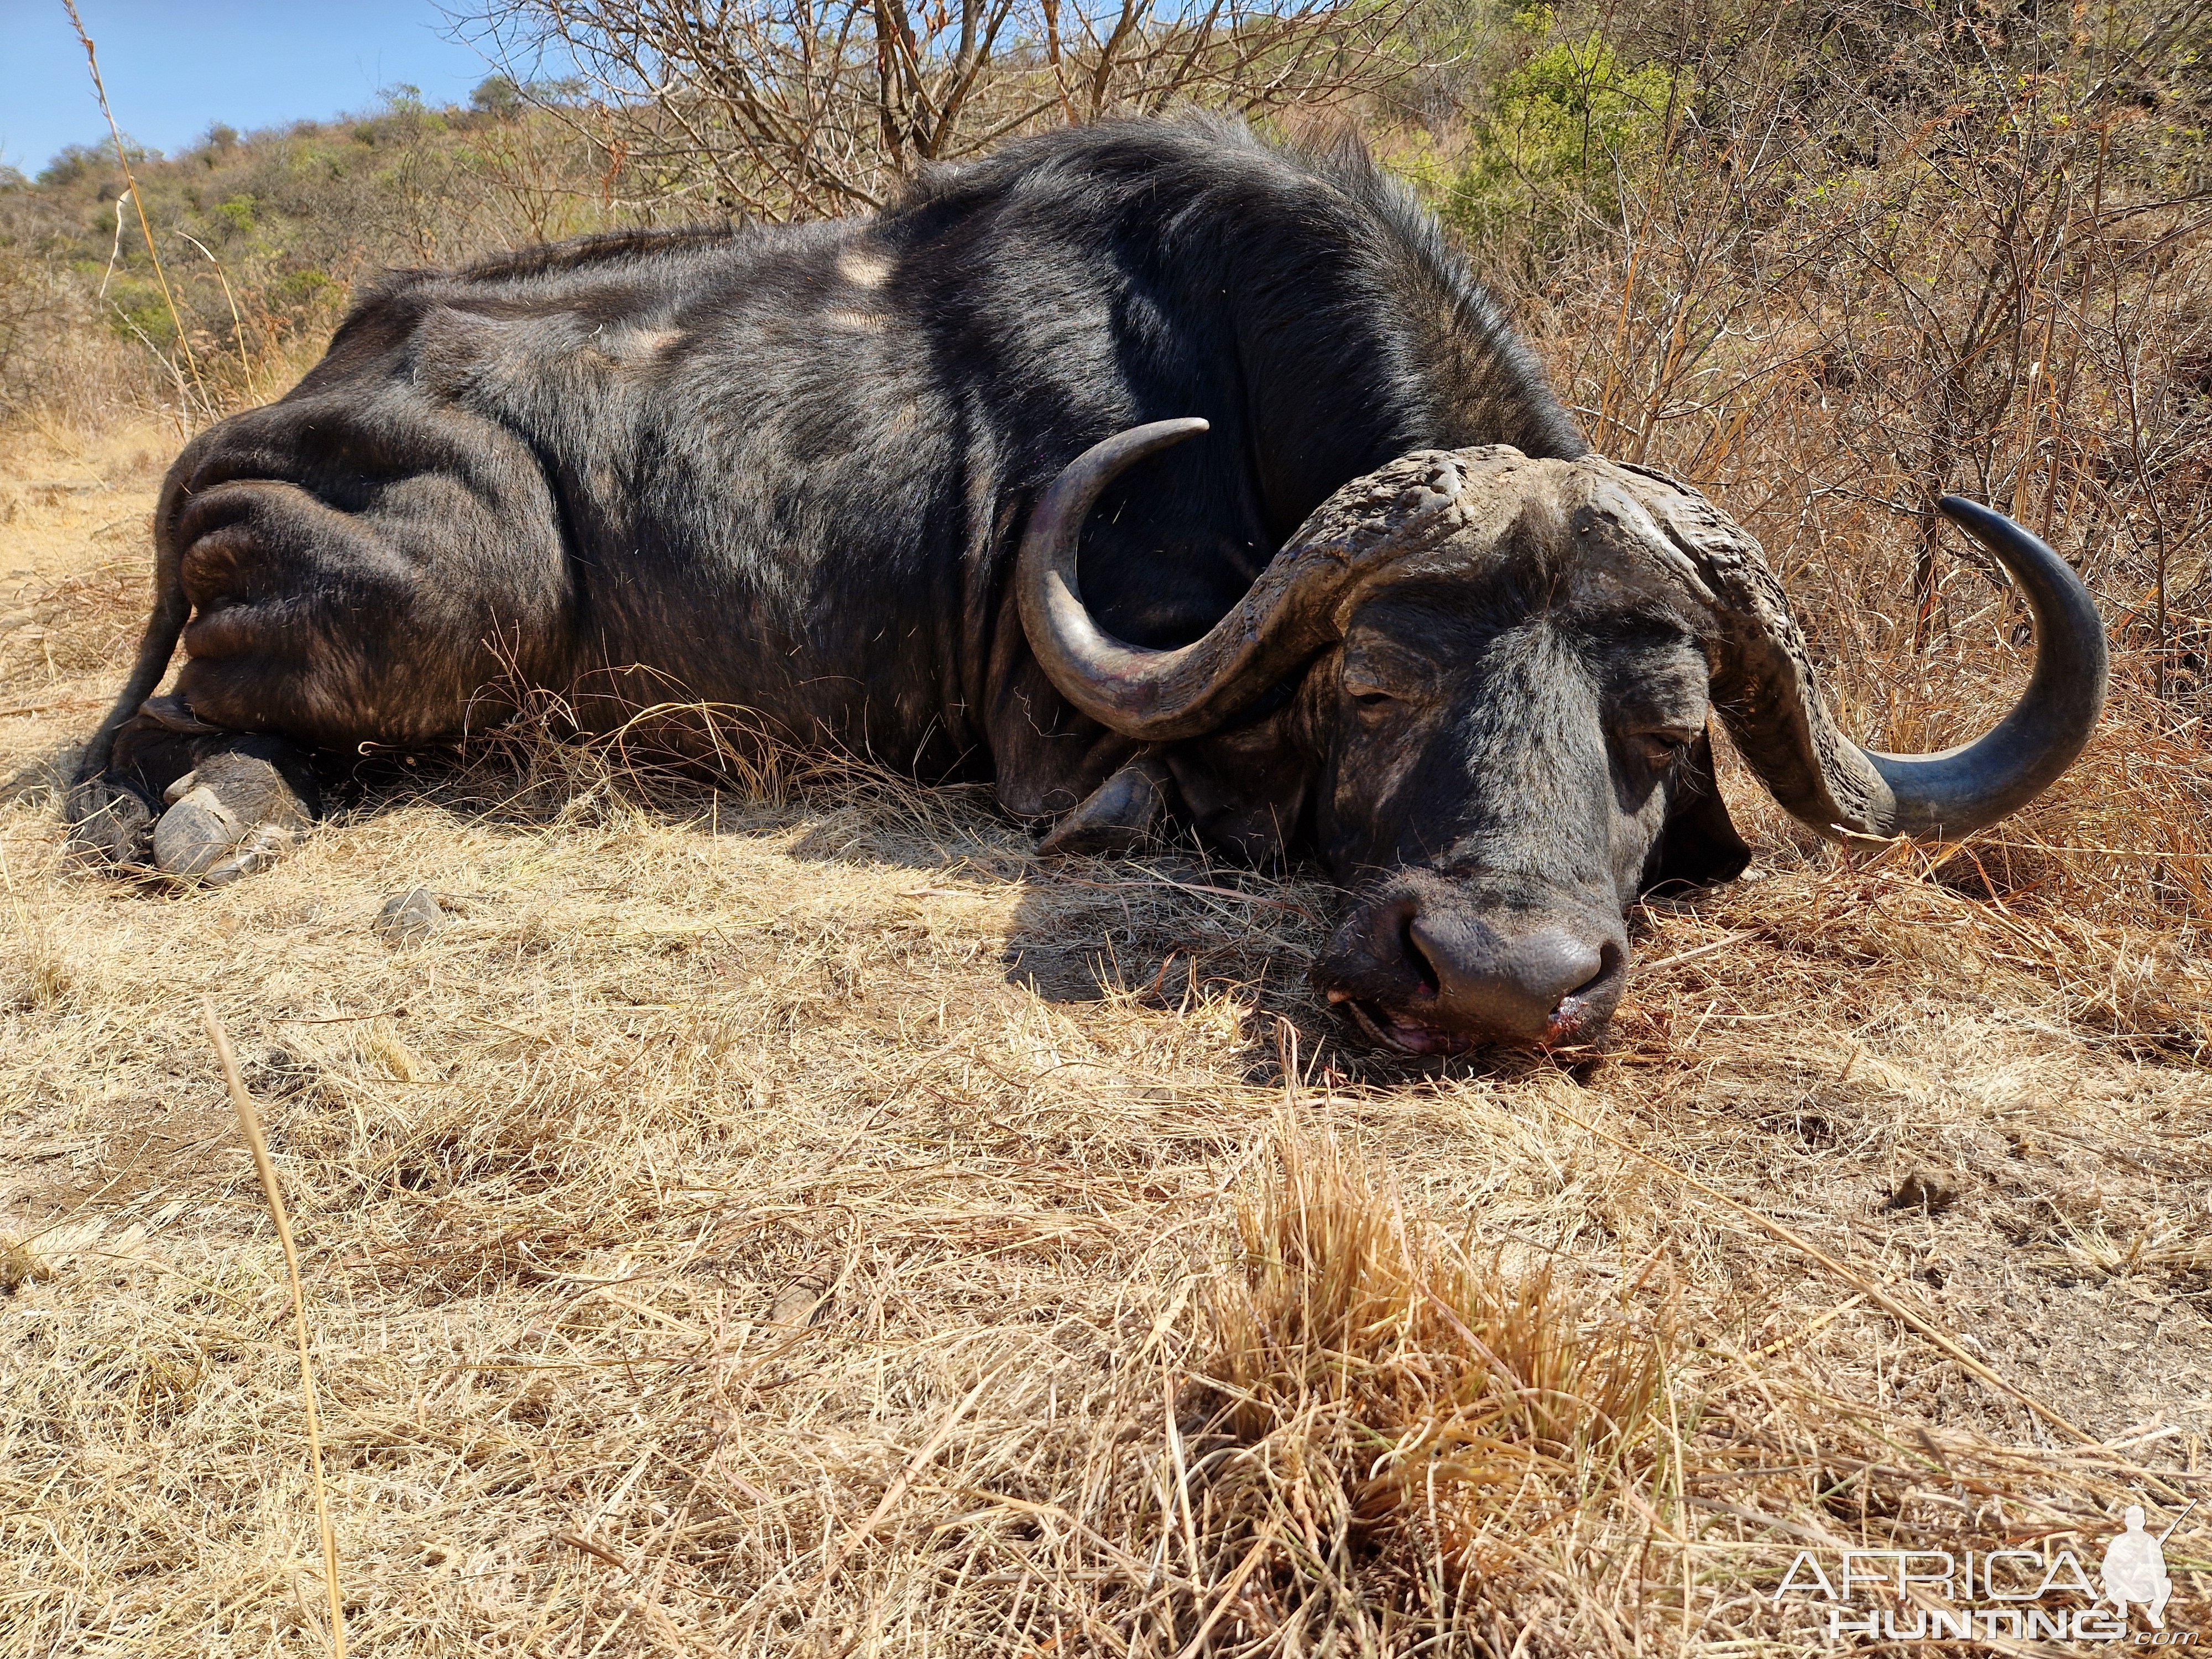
(805,1222)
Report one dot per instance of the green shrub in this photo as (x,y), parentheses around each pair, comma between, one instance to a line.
(137,308)
(1565,139)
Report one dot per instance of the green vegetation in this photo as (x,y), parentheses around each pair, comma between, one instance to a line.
(717,1242)
(1567,141)
(1875,251)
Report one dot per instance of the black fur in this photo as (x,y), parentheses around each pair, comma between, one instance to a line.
(786,467)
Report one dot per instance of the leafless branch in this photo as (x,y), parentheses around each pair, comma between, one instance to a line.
(795,108)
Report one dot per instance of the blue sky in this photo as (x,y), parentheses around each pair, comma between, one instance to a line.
(173,66)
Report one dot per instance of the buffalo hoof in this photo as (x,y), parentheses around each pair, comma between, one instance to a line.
(232,815)
(108,825)
(1117,816)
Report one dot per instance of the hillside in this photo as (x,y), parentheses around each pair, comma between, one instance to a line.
(262,238)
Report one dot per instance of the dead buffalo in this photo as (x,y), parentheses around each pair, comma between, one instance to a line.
(1387,609)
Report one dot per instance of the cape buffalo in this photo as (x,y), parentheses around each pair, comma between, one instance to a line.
(1387,608)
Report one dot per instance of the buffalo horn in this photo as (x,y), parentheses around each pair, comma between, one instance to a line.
(1765,689)
(1157,695)
(1960,790)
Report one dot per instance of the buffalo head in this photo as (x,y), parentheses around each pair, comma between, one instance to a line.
(1500,672)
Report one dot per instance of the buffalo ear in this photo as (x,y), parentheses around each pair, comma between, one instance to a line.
(1699,843)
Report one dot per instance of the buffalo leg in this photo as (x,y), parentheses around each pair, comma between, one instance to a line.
(113,809)
(109,822)
(1118,815)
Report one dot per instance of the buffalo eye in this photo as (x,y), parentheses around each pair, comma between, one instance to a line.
(1367,692)
(1661,748)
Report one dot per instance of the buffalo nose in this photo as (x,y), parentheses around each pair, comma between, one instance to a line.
(1548,985)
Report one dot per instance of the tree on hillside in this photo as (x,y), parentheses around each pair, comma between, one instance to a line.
(789,108)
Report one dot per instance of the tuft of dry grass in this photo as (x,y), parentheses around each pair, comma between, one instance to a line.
(1410,1427)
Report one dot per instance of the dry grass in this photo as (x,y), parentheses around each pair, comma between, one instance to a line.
(1415,1438)
(805,1222)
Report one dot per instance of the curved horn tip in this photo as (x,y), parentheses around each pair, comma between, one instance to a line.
(1083,479)
(1950,794)
(1158,435)
(2066,614)
(1968,513)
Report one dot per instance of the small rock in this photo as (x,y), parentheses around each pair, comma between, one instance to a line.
(1921,1191)
(411,917)
(801,1302)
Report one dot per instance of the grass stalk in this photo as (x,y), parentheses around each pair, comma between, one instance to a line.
(249,1121)
(138,199)
(237,320)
